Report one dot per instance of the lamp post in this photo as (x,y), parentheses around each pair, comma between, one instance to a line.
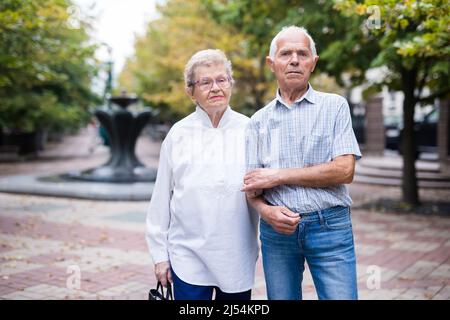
(109,79)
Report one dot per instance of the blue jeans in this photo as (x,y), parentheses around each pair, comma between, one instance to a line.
(186,291)
(325,239)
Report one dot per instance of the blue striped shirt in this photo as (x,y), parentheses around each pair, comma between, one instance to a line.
(314,130)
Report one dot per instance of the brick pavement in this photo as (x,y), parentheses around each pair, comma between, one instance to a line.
(45,241)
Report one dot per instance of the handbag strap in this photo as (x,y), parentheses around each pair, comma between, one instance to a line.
(168,295)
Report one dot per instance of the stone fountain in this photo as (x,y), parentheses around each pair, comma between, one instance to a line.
(123,128)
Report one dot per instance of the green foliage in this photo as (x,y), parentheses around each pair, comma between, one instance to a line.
(412,36)
(414,42)
(343,51)
(243,29)
(155,73)
(46,66)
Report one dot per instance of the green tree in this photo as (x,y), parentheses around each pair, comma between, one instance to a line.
(414,42)
(338,38)
(155,72)
(46,66)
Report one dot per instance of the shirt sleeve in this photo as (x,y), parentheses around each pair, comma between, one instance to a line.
(344,138)
(252,155)
(158,213)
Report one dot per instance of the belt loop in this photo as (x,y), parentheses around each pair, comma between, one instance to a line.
(321,218)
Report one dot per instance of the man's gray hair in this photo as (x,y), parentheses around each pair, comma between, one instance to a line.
(206,57)
(273,44)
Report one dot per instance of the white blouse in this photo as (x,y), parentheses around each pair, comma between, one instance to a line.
(198,218)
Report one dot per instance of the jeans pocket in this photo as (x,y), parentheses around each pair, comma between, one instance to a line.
(339,221)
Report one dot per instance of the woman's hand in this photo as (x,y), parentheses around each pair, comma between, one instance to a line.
(162,273)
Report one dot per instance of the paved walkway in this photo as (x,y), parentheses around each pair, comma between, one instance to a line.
(46,242)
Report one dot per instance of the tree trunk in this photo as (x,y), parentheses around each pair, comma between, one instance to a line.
(409,181)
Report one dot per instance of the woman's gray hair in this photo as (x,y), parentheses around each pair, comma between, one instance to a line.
(273,44)
(206,57)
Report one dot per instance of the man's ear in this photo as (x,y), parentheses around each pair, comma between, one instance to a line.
(269,63)
(316,58)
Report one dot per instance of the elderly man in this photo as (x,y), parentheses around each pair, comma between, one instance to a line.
(301,151)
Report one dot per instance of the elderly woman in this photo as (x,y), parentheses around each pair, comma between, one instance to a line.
(200,233)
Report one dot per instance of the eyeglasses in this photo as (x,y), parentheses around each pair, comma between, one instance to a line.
(206,84)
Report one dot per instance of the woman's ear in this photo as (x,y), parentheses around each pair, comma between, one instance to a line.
(189,92)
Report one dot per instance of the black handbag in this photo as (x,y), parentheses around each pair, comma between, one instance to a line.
(158,293)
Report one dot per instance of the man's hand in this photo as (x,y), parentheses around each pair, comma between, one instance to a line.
(263,178)
(281,219)
(162,273)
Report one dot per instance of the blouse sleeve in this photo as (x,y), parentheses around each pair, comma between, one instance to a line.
(158,213)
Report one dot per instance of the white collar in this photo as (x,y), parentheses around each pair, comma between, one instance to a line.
(206,121)
(308,95)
